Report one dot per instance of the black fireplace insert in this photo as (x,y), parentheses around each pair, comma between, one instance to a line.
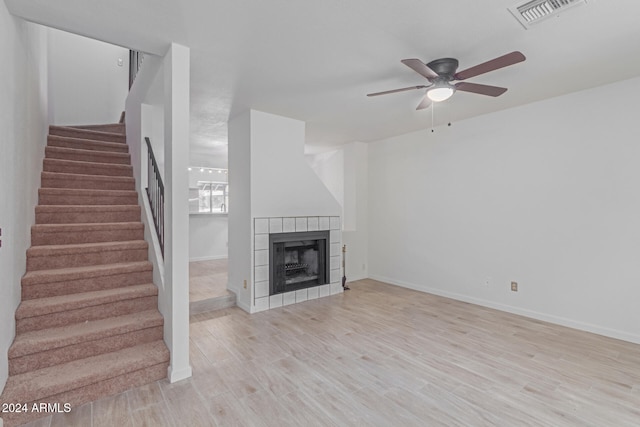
(298,261)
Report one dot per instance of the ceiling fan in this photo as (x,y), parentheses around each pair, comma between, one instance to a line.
(442,72)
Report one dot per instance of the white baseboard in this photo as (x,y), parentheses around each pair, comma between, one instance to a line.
(545,317)
(179,375)
(208,258)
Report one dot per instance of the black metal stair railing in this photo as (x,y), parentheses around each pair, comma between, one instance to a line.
(155,193)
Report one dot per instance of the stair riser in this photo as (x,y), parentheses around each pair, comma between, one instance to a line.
(52,260)
(86,156)
(40,238)
(86,198)
(68,287)
(62,166)
(85,314)
(75,216)
(82,395)
(69,353)
(85,183)
(86,144)
(80,133)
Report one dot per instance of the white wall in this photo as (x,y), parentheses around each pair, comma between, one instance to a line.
(546,194)
(240,244)
(356,198)
(86,84)
(208,237)
(345,173)
(23,126)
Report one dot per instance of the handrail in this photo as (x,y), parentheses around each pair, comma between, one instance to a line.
(155,193)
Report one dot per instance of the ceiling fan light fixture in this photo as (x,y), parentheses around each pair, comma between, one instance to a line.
(440,93)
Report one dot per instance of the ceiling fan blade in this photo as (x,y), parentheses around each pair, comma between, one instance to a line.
(480,89)
(494,64)
(397,90)
(420,68)
(426,102)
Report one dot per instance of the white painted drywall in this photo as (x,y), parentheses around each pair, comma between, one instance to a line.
(240,244)
(356,195)
(23,123)
(176,250)
(546,194)
(345,174)
(282,183)
(208,237)
(86,84)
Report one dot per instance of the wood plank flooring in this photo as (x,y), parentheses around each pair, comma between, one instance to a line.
(381,355)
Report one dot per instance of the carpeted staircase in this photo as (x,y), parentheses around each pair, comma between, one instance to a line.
(88,325)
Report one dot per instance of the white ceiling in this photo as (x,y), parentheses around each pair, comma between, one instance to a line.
(316,60)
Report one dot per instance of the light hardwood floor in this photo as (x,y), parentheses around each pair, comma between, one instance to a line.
(207,279)
(380,355)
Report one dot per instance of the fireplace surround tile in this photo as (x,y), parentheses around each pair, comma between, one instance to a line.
(261,242)
(324,290)
(262,226)
(324,223)
(275,225)
(302,295)
(335,223)
(262,257)
(262,273)
(265,226)
(288,225)
(312,223)
(262,289)
(289,298)
(301,224)
(334,263)
(275,301)
(313,293)
(262,304)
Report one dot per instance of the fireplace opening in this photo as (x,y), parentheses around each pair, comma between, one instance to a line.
(298,261)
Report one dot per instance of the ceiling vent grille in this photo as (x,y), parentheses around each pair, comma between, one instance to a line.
(535,11)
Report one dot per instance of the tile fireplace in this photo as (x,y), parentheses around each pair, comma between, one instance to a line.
(295,259)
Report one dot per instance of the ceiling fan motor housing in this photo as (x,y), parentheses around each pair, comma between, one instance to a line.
(444,67)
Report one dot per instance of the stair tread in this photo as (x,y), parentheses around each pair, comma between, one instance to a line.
(63,274)
(91,164)
(92,226)
(89,152)
(47,339)
(45,250)
(71,175)
(88,208)
(85,131)
(117,145)
(37,385)
(50,190)
(48,305)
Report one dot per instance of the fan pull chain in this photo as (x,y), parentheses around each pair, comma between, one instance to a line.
(433,107)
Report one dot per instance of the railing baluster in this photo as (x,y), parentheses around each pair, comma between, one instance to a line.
(155,194)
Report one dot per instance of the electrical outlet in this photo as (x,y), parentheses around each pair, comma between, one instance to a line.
(245,284)
(514,286)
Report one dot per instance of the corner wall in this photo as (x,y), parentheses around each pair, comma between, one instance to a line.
(23,125)
(86,84)
(546,195)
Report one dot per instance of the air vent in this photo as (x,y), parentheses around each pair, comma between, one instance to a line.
(535,11)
